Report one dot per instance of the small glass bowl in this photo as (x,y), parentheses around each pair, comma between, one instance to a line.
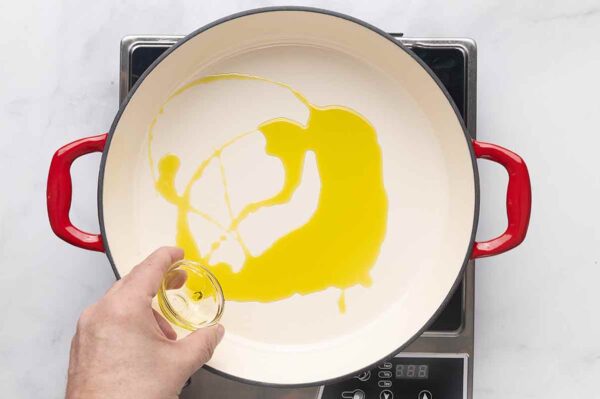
(190,296)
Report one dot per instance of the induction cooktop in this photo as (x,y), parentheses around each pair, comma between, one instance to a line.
(438,364)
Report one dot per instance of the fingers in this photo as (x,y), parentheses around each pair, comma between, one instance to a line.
(175,279)
(164,326)
(198,347)
(147,276)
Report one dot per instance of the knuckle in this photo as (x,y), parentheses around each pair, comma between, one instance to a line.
(167,254)
(117,285)
(116,310)
(163,250)
(212,344)
(86,319)
(163,255)
(206,353)
(209,348)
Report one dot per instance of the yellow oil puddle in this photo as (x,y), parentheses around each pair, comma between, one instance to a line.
(337,246)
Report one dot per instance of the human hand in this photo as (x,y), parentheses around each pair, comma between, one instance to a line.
(125,349)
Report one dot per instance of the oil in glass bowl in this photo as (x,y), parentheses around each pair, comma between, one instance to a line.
(190,296)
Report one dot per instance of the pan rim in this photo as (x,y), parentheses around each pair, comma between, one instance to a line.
(383,34)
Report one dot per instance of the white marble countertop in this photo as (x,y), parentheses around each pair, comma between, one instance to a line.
(537,324)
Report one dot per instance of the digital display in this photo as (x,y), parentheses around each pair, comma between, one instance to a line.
(412,371)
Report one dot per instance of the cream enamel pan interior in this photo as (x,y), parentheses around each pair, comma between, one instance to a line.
(428,169)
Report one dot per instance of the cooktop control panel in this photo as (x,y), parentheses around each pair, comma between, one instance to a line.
(410,376)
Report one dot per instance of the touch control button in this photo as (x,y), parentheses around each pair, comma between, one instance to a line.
(385,366)
(385,383)
(356,394)
(424,394)
(385,374)
(364,376)
(386,394)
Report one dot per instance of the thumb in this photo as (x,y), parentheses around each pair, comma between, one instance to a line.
(199,346)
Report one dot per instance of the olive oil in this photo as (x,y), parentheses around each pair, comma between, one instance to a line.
(337,246)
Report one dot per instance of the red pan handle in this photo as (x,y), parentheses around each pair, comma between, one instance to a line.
(518,200)
(59,192)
